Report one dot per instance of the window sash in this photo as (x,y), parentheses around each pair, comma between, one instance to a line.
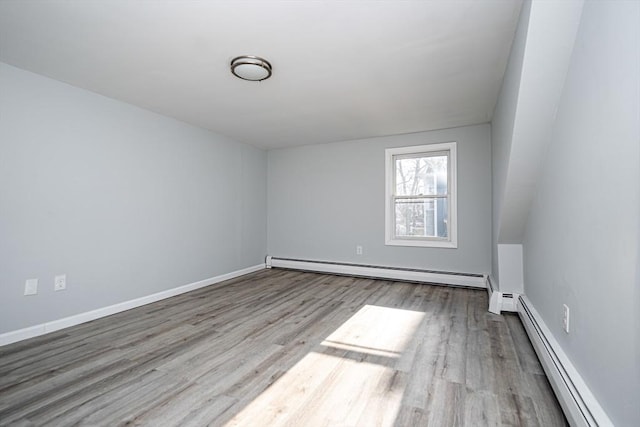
(446,220)
(395,198)
(421,196)
(419,155)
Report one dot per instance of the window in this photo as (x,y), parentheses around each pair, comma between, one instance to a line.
(421,196)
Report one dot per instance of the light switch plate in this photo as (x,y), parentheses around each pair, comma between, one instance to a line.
(31,287)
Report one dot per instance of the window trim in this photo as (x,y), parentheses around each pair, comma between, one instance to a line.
(430,242)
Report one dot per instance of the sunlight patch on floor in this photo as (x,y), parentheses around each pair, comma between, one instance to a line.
(376,330)
(349,379)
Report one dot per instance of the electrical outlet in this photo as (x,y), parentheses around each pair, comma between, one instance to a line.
(31,287)
(60,282)
(565,317)
(358,250)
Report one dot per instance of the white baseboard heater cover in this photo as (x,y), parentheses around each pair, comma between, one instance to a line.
(495,297)
(578,403)
(501,301)
(381,272)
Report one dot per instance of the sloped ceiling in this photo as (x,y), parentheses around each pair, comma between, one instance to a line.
(342,70)
(551,34)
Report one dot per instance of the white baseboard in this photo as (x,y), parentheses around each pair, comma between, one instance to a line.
(54,325)
(403,274)
(578,403)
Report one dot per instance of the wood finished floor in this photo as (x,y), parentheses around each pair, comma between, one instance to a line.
(280,347)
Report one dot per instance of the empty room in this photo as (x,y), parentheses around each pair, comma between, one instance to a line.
(320,213)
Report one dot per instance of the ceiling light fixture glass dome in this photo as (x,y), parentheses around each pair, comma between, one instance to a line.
(252,68)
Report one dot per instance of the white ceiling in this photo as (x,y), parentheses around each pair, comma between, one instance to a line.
(341,69)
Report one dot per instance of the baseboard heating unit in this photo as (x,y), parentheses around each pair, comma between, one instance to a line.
(578,403)
(381,272)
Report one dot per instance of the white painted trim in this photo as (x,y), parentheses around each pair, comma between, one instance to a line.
(495,297)
(54,325)
(381,272)
(578,403)
(452,181)
(510,268)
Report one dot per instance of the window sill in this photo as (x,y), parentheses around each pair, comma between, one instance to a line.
(422,243)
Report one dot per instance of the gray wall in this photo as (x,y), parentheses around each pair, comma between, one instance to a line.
(323,200)
(502,129)
(582,235)
(124,201)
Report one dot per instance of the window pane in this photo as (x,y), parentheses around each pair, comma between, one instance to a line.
(421,217)
(426,175)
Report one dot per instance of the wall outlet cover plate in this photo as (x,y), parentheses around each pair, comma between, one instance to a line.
(60,282)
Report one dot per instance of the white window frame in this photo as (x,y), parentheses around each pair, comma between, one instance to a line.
(452,195)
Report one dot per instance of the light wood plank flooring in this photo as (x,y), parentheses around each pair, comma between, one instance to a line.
(278,348)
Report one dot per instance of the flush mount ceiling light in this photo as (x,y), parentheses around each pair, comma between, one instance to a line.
(251,68)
